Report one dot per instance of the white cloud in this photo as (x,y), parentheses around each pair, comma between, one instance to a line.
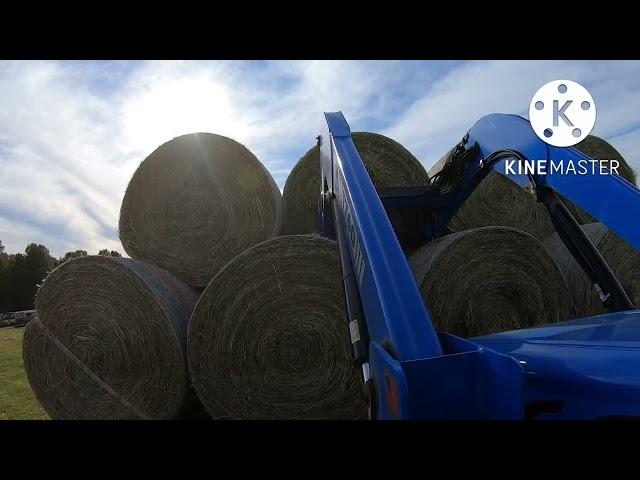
(437,120)
(72,133)
(52,167)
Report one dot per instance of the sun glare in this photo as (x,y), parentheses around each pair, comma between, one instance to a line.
(170,108)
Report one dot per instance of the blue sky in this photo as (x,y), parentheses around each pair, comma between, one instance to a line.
(72,133)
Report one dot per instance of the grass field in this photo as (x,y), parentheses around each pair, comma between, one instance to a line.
(17,401)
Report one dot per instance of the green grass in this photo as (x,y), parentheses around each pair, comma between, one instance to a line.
(17,401)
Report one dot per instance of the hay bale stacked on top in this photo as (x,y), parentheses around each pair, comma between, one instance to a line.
(111,339)
(195,203)
(269,338)
(623,259)
(599,149)
(499,201)
(488,280)
(388,163)
(496,200)
(109,342)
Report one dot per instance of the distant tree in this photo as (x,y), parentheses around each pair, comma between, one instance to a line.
(71,255)
(6,296)
(4,257)
(20,290)
(106,253)
(22,273)
(28,270)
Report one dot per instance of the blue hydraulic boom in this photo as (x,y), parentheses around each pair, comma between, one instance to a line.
(585,368)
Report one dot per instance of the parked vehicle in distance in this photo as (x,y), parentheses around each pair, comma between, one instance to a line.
(7,320)
(17,319)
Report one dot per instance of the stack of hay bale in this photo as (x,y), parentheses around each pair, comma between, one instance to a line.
(142,338)
(499,202)
(111,339)
(232,302)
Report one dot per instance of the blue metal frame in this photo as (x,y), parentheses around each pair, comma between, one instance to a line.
(590,368)
(609,198)
(392,303)
(405,353)
(419,373)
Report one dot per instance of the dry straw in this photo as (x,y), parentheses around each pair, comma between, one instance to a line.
(623,259)
(388,163)
(489,280)
(109,342)
(269,337)
(599,149)
(195,203)
(499,201)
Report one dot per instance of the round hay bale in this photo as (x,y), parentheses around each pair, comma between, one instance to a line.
(388,163)
(623,259)
(269,337)
(195,203)
(489,280)
(500,202)
(109,342)
(599,149)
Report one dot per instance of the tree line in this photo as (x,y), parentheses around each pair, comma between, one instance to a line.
(22,273)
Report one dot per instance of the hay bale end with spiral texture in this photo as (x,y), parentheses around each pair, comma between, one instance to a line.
(109,342)
(489,280)
(497,201)
(269,337)
(623,259)
(195,203)
(388,163)
(599,149)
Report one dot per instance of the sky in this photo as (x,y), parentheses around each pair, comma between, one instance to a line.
(73,132)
